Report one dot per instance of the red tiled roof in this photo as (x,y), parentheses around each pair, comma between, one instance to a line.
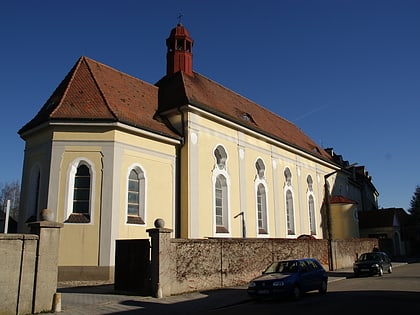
(93,91)
(182,89)
(341,199)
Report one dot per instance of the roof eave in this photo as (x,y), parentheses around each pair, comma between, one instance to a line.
(173,139)
(246,128)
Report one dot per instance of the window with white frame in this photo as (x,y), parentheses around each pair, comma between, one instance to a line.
(80,195)
(311,205)
(136,196)
(290,216)
(262,209)
(220,182)
(261,200)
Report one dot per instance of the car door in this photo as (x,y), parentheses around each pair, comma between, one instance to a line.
(387,262)
(306,275)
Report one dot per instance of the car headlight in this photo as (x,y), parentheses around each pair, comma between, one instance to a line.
(252,284)
(278,284)
(375,266)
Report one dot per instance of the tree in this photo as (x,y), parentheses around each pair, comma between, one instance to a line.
(415,205)
(10,191)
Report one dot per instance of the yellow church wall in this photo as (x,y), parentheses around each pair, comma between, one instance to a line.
(209,134)
(36,157)
(206,164)
(86,235)
(156,158)
(255,149)
(160,188)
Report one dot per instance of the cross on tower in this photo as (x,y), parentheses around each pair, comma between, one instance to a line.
(180,15)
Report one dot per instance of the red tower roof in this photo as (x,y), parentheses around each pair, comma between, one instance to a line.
(179,53)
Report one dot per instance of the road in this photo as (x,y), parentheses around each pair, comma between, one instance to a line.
(390,294)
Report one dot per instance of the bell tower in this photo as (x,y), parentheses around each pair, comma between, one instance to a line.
(179,51)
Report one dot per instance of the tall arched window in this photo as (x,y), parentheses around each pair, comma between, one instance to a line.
(81,196)
(136,196)
(261,194)
(80,193)
(262,209)
(220,201)
(311,206)
(290,216)
(220,179)
(290,213)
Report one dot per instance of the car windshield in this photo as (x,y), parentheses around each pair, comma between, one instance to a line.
(369,256)
(283,267)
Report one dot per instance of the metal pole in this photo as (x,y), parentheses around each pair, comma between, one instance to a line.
(6,220)
(243,223)
(328,218)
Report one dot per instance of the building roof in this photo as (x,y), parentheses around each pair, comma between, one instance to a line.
(341,199)
(182,89)
(382,218)
(94,92)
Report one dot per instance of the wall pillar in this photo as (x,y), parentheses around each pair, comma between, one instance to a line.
(160,259)
(46,271)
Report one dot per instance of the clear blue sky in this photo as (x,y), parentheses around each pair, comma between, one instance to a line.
(346,72)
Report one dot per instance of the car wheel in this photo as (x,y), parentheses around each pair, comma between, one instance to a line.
(296,293)
(323,288)
(390,269)
(380,271)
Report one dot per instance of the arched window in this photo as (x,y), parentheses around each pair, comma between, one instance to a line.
(262,209)
(290,216)
(221,156)
(288,177)
(80,195)
(261,194)
(221,204)
(260,167)
(221,196)
(311,206)
(136,196)
(290,213)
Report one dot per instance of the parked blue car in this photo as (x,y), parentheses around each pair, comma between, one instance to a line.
(289,278)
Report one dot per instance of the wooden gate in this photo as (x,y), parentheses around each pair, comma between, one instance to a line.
(132,266)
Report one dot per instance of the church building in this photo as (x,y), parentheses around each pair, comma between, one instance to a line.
(108,154)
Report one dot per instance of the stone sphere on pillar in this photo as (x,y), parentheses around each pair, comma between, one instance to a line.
(159,223)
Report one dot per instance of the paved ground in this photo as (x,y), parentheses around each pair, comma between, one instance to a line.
(101,299)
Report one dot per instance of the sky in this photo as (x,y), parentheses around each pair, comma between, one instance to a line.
(346,72)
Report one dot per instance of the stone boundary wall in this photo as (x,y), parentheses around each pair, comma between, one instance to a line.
(18,261)
(345,252)
(206,264)
(28,273)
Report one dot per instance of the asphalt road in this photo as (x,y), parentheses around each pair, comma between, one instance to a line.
(395,293)
(390,294)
